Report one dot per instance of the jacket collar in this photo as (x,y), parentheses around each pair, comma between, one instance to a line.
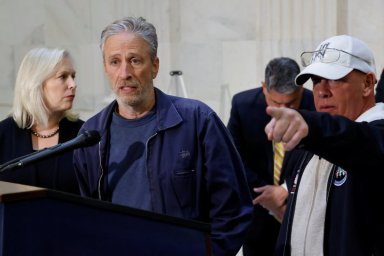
(167,115)
(372,114)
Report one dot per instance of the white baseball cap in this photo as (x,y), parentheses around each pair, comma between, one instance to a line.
(335,58)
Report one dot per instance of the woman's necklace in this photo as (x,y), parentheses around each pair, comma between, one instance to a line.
(44,136)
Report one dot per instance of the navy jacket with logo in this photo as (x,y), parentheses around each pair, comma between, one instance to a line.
(195,171)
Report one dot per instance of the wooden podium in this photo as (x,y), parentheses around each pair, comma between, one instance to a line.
(37,221)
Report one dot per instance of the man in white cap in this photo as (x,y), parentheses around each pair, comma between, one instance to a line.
(335,201)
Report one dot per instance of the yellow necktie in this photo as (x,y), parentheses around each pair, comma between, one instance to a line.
(278,161)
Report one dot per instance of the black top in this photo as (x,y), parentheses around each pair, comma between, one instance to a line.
(55,172)
(379,96)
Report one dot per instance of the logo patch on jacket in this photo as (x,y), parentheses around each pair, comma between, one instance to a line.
(340,177)
(184,154)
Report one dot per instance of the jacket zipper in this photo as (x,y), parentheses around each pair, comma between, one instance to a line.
(101,175)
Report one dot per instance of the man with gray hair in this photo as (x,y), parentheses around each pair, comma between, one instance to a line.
(260,156)
(158,152)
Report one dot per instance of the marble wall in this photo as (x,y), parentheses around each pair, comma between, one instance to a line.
(221,46)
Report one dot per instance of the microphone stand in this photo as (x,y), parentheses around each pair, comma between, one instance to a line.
(14,162)
(85,139)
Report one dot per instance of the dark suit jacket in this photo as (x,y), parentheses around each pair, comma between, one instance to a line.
(246,124)
(380,88)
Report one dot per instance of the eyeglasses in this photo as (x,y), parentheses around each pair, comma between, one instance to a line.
(328,55)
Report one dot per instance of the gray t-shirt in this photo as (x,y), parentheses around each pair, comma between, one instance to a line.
(128,181)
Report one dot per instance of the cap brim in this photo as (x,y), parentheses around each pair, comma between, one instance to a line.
(325,70)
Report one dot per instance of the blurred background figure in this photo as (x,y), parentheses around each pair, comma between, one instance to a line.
(379,96)
(246,123)
(41,117)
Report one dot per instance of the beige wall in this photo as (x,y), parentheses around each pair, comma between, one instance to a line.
(221,46)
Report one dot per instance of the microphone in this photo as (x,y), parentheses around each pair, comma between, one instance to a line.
(86,139)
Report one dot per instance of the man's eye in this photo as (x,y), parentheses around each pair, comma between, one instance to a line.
(113,62)
(135,61)
(335,82)
(315,80)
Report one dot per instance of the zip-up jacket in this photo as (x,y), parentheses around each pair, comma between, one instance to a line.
(193,167)
(353,220)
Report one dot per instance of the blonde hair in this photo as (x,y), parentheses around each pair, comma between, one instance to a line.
(37,66)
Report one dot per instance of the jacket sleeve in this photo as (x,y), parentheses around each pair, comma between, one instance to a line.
(351,145)
(83,160)
(231,203)
(80,171)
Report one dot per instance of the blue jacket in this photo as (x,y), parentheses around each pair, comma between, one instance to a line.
(354,223)
(195,171)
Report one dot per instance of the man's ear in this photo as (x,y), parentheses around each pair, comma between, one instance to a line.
(104,65)
(155,67)
(264,86)
(369,84)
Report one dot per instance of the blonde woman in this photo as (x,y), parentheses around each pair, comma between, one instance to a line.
(42,117)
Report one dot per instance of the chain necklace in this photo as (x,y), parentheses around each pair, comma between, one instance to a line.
(44,136)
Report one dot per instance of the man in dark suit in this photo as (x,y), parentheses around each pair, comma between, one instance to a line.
(379,96)
(246,123)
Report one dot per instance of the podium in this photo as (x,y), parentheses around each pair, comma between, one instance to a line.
(38,221)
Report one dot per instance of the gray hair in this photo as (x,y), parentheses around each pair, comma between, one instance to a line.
(138,26)
(280,75)
(37,66)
